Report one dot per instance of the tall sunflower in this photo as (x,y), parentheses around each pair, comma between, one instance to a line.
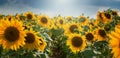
(101,34)
(75,42)
(70,27)
(107,17)
(29,15)
(44,21)
(11,34)
(43,44)
(32,40)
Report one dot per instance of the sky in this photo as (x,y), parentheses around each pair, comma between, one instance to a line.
(55,7)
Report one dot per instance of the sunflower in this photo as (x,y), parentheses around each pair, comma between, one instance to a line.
(83,20)
(60,22)
(90,36)
(107,17)
(32,40)
(101,34)
(70,27)
(115,44)
(29,15)
(43,44)
(99,16)
(75,42)
(44,21)
(11,34)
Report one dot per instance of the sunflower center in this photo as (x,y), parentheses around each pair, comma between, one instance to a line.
(107,15)
(44,20)
(61,21)
(102,33)
(89,36)
(11,34)
(73,27)
(30,38)
(29,16)
(77,41)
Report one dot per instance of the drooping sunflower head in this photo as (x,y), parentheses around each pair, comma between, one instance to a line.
(71,27)
(75,42)
(43,45)
(12,34)
(29,16)
(107,17)
(44,21)
(101,34)
(83,20)
(31,40)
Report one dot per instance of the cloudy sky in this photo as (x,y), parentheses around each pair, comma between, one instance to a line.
(56,7)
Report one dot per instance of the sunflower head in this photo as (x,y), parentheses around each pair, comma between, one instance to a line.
(75,42)
(31,40)
(12,34)
(71,27)
(89,36)
(60,22)
(101,34)
(44,21)
(29,15)
(107,17)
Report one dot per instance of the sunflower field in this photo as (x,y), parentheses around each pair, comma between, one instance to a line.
(29,35)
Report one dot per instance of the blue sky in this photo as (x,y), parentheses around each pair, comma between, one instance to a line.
(56,7)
